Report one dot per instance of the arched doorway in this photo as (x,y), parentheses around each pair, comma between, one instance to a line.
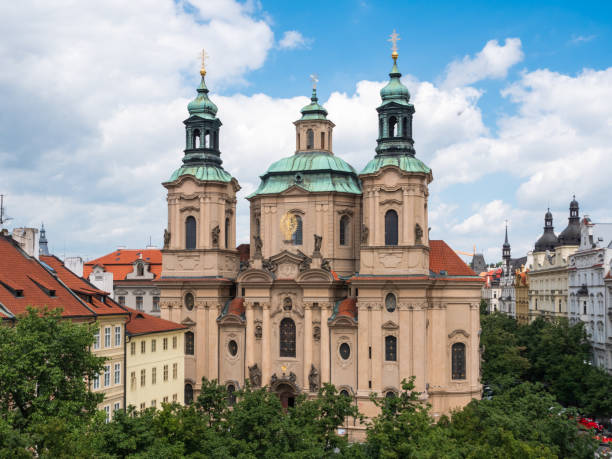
(286,394)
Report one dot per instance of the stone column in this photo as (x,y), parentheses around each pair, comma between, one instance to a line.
(404,340)
(474,355)
(325,358)
(419,347)
(307,343)
(377,355)
(363,362)
(202,233)
(250,334)
(405,235)
(201,348)
(265,349)
(378,231)
(439,341)
(213,351)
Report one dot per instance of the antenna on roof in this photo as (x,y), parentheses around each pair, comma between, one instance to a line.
(3,217)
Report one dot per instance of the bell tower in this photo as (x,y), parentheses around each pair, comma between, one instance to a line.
(395,237)
(313,131)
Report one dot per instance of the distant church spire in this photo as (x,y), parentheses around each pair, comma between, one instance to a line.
(506,246)
(43,248)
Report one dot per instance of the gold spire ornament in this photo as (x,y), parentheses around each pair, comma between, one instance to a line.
(394,39)
(203,68)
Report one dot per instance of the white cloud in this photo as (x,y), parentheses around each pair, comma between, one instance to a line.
(292,39)
(577,39)
(492,62)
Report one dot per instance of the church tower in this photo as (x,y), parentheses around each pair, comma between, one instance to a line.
(506,254)
(395,235)
(199,258)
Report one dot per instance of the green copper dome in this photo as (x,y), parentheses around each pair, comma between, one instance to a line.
(403,162)
(207,172)
(395,91)
(313,111)
(313,171)
(202,106)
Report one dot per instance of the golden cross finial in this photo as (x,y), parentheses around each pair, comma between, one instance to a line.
(203,68)
(394,39)
(315,79)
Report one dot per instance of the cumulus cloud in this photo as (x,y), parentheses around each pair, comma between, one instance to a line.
(292,39)
(492,62)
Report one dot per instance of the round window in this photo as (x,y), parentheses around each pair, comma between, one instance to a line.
(232,346)
(390,302)
(345,351)
(189,301)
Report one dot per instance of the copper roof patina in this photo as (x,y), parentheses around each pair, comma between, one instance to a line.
(403,162)
(209,172)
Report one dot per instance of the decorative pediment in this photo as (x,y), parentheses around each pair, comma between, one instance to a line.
(231,319)
(346,211)
(342,322)
(190,209)
(294,190)
(390,201)
(255,276)
(315,276)
(390,325)
(458,332)
(188,322)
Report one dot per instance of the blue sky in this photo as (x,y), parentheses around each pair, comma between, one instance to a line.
(510,101)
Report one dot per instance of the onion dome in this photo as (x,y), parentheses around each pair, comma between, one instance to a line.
(548,240)
(571,234)
(395,91)
(313,111)
(202,106)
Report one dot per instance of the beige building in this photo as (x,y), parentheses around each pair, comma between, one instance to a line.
(549,268)
(343,284)
(521,285)
(155,361)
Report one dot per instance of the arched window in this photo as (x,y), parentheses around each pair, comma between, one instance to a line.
(380,127)
(227,233)
(206,142)
(390,394)
(309,139)
(404,127)
(344,223)
(287,338)
(345,393)
(189,344)
(188,394)
(322,140)
(196,139)
(458,364)
(392,124)
(296,238)
(190,233)
(391,227)
(390,348)
(231,394)
(140,270)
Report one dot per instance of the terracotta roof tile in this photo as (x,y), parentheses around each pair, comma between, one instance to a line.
(236,307)
(348,308)
(443,258)
(141,323)
(120,262)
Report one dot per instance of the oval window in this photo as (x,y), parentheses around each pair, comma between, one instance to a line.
(189,301)
(390,302)
(232,346)
(345,351)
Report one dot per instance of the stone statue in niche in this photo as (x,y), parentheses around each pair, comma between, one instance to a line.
(313,379)
(258,331)
(318,240)
(316,333)
(325,265)
(292,377)
(255,376)
(365,232)
(215,236)
(166,238)
(287,304)
(258,246)
(418,234)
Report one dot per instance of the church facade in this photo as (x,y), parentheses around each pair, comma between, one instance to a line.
(342,283)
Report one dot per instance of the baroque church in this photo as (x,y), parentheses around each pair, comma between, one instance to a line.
(340,282)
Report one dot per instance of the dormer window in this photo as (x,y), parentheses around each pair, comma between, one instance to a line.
(140,269)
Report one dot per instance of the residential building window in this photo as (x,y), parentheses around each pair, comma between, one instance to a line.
(107,412)
(391,231)
(117,373)
(296,238)
(133,348)
(153,403)
(584,305)
(165,399)
(143,378)
(188,394)
(107,337)
(96,382)
(143,346)
(174,342)
(139,303)
(174,397)
(133,380)
(458,361)
(153,345)
(287,338)
(165,372)
(344,224)
(153,375)
(390,348)
(165,344)
(174,370)
(155,303)
(107,375)
(96,344)
(118,336)
(190,233)
(121,300)
(189,345)
(142,406)
(116,406)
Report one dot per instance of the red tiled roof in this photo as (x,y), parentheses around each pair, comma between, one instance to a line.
(140,323)
(236,307)
(245,251)
(88,292)
(21,272)
(120,262)
(443,258)
(348,308)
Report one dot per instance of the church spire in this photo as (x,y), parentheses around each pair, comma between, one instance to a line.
(506,247)
(43,248)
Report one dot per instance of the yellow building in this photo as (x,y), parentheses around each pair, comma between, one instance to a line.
(155,358)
